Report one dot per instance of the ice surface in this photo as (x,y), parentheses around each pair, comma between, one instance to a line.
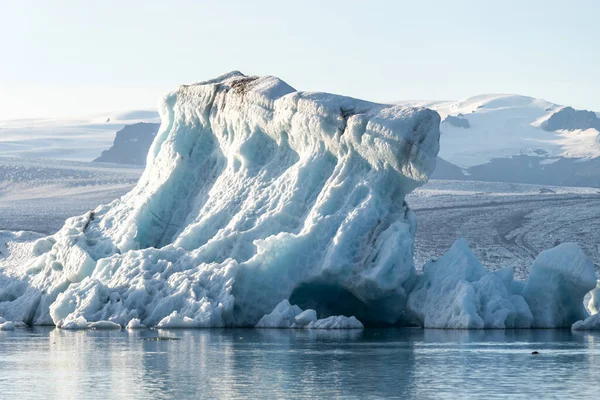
(593,321)
(252,190)
(306,317)
(285,315)
(504,224)
(39,195)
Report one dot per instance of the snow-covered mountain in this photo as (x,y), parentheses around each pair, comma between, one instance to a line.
(78,138)
(512,138)
(481,128)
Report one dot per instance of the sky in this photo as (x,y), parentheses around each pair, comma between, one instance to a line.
(64,58)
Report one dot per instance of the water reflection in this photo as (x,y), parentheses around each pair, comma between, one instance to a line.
(241,363)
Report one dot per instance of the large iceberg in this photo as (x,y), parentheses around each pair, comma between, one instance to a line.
(256,197)
(253,193)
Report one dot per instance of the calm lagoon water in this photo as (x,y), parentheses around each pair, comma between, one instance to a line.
(239,363)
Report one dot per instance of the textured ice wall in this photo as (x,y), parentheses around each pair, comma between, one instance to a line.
(253,193)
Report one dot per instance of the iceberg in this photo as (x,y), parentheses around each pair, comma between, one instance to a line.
(6,325)
(104,325)
(134,324)
(558,281)
(253,193)
(73,323)
(457,292)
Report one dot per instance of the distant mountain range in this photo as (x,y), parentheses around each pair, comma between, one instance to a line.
(494,137)
(502,138)
(76,139)
(512,138)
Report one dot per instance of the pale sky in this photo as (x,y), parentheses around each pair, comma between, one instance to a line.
(61,58)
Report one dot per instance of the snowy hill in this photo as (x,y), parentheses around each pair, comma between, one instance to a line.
(512,138)
(78,139)
(502,126)
(131,144)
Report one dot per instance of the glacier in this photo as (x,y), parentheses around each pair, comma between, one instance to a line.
(262,206)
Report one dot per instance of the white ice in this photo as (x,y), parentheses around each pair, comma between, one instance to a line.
(285,315)
(336,322)
(6,325)
(457,292)
(590,323)
(73,323)
(104,325)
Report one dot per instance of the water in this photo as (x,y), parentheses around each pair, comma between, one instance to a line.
(240,363)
